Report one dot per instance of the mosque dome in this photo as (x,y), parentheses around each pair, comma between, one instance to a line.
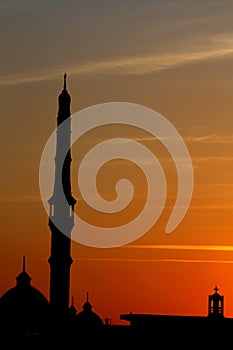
(23,306)
(87,319)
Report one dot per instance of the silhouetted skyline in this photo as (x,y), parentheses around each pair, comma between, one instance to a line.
(174,57)
(28,318)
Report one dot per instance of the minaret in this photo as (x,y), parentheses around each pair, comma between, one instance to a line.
(61,210)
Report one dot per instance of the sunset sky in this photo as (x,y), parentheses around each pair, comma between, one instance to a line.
(175,57)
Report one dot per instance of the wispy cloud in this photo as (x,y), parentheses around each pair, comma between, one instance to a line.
(130,65)
(226,248)
(167,248)
(211,261)
(19,198)
(152,63)
(214,138)
(212,159)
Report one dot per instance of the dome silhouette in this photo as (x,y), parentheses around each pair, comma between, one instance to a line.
(23,306)
(87,319)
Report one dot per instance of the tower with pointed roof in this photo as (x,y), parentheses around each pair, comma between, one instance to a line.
(61,208)
(216,304)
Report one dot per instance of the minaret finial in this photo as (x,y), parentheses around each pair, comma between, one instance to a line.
(65,76)
(72,301)
(24,269)
(23,279)
(87,296)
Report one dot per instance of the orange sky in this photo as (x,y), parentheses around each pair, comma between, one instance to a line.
(171,56)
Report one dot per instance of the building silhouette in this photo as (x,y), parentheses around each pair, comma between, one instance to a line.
(24,310)
(61,210)
(29,319)
(216,304)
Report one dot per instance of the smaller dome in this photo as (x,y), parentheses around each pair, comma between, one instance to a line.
(87,306)
(89,320)
(72,309)
(23,279)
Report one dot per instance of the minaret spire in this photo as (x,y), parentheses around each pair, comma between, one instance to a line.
(61,209)
(24,269)
(65,76)
(23,279)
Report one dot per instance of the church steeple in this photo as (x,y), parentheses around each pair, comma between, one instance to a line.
(61,209)
(216,304)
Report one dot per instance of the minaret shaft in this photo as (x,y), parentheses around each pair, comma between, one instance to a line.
(61,208)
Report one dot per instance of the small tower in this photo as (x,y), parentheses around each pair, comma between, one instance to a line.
(215,304)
